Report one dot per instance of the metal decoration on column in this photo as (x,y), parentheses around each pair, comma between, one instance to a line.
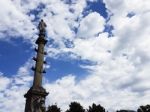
(35,97)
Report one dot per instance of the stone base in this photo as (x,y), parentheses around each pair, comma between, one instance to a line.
(36,91)
(35,99)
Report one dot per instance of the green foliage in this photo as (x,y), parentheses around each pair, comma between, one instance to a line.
(125,111)
(144,108)
(75,107)
(96,108)
(53,108)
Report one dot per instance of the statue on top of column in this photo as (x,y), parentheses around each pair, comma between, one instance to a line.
(42,27)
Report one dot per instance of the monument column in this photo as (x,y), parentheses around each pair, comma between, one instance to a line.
(35,97)
(39,61)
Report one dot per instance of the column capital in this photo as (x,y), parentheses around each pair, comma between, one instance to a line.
(41,40)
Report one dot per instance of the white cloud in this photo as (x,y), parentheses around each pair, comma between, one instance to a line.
(91,25)
(94,49)
(123,60)
(13,89)
(116,80)
(14,22)
(120,78)
(4,82)
(123,7)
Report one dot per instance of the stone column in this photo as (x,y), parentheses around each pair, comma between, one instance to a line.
(36,95)
(39,62)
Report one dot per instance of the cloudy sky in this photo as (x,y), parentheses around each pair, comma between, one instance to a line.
(98,52)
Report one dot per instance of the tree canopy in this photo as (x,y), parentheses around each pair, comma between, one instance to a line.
(53,108)
(75,107)
(144,108)
(96,108)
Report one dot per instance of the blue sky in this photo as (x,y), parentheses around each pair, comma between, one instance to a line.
(97,49)
(16,52)
(13,54)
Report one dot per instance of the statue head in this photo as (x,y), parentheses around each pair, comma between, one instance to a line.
(42,20)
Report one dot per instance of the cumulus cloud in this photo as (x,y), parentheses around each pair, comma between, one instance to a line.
(14,22)
(13,89)
(91,25)
(122,60)
(115,84)
(120,77)
(4,82)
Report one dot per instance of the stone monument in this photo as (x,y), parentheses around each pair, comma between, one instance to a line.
(36,95)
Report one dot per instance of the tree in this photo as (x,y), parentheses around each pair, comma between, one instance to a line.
(75,107)
(53,108)
(144,108)
(125,111)
(96,108)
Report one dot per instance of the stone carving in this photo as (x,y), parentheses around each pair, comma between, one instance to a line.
(39,105)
